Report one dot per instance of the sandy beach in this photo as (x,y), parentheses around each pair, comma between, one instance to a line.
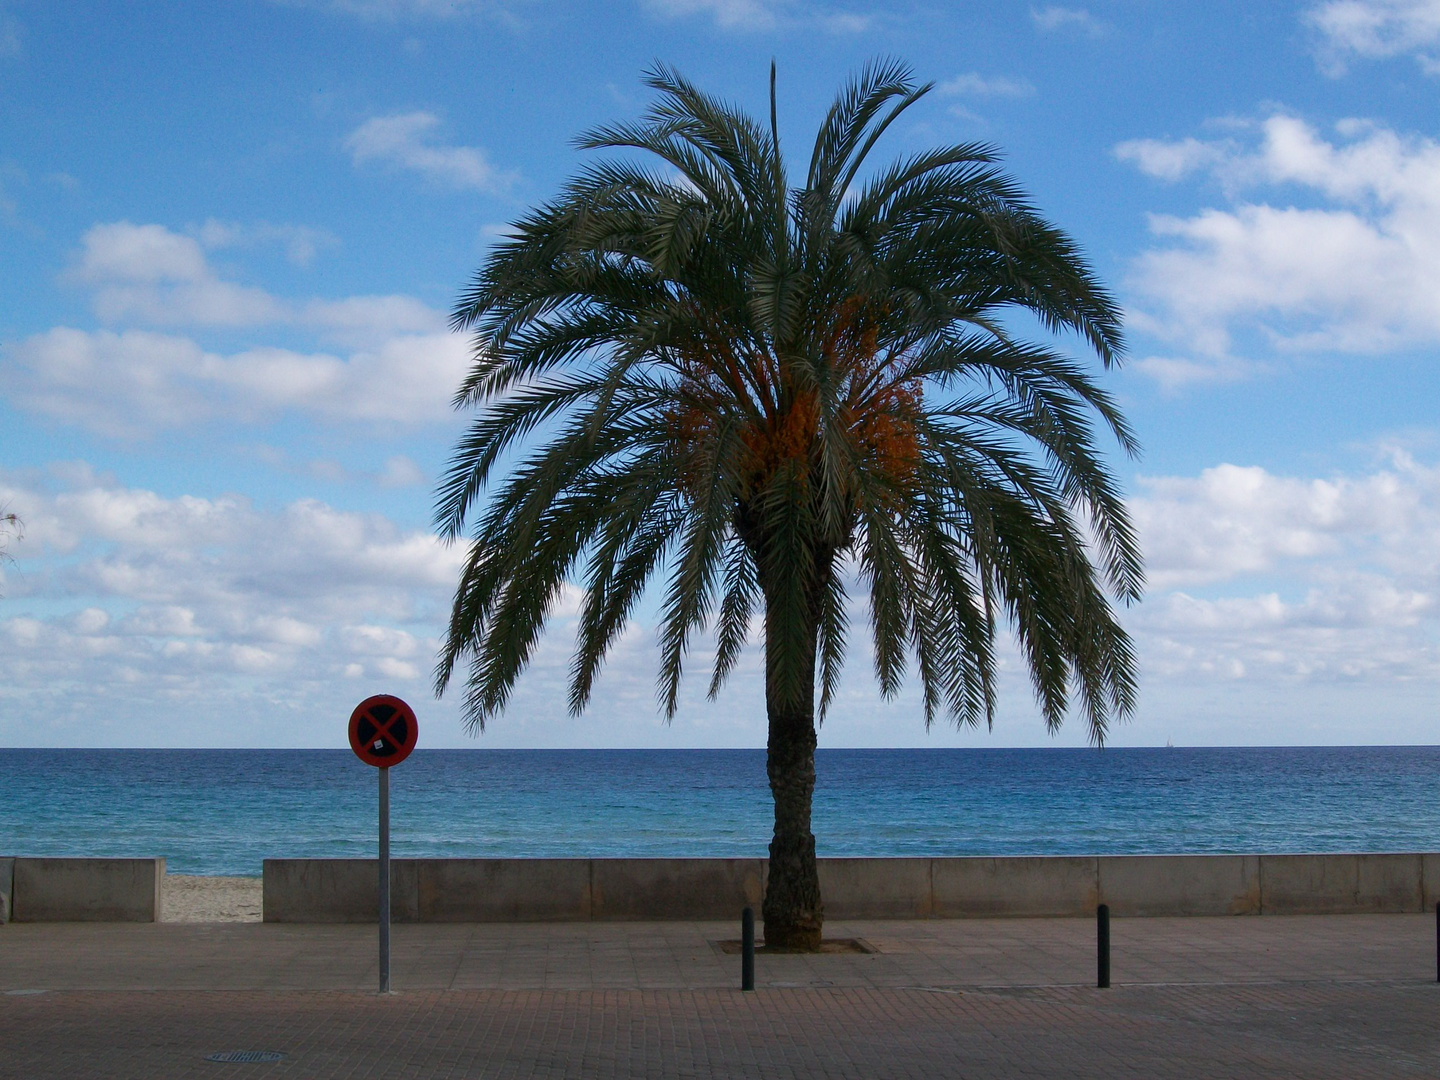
(194,899)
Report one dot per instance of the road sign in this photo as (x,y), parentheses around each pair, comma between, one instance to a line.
(383,731)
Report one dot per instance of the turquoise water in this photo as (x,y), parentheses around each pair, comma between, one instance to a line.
(223,811)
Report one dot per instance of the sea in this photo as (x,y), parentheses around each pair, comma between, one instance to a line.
(224,811)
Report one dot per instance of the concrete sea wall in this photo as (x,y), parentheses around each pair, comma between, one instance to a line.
(81,890)
(555,890)
(511,890)
(568,890)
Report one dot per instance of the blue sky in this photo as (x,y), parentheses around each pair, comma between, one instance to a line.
(230,234)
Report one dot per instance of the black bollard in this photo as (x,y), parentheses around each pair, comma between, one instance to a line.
(1437,942)
(747,949)
(1102,943)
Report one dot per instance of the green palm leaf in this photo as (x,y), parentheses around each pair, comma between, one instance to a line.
(763,399)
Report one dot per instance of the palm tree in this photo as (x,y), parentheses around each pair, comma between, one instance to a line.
(768,396)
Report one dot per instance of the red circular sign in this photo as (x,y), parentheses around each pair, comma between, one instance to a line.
(383,731)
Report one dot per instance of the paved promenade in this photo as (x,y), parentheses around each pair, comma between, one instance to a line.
(1342,996)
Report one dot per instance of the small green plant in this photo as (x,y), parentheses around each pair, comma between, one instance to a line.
(11,528)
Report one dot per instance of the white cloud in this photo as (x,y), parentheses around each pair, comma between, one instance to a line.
(844,22)
(151,275)
(728,14)
(1231,521)
(197,566)
(201,613)
(396,11)
(1177,373)
(397,471)
(1053,17)
(358,320)
(1360,272)
(987,86)
(397,359)
(140,253)
(188,553)
(188,604)
(132,383)
(117,384)
(1308,579)
(400,472)
(1167,160)
(757,15)
(301,243)
(389,10)
(1376,28)
(90,621)
(406,140)
(176,603)
(1358,631)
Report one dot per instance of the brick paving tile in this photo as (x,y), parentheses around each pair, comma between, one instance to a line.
(1346,1030)
(1315,997)
(596,956)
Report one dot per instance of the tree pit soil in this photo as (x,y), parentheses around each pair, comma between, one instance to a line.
(844,945)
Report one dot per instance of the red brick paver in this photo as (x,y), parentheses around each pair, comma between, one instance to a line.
(1293,1030)
(1315,997)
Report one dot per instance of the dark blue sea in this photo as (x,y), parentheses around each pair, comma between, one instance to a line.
(223,811)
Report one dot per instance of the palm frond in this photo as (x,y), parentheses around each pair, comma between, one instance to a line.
(692,378)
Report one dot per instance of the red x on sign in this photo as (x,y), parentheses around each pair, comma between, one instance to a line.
(383,731)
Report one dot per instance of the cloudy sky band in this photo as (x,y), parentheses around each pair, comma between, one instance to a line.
(229,415)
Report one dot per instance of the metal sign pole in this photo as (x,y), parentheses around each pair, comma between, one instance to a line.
(383,731)
(384,880)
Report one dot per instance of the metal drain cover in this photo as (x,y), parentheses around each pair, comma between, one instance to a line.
(245,1055)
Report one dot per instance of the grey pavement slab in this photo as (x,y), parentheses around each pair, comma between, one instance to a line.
(683,955)
(1323,996)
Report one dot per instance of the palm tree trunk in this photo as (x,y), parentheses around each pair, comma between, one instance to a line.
(793,911)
